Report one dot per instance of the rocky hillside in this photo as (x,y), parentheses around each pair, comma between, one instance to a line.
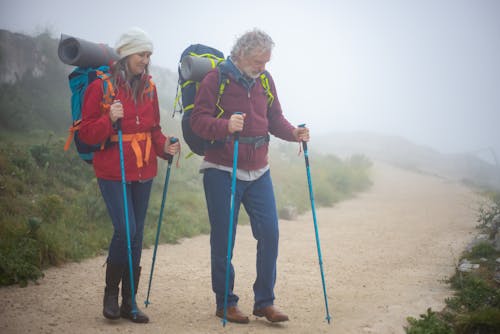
(34,91)
(403,153)
(22,56)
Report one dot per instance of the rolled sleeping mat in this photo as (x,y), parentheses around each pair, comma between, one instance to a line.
(82,53)
(195,68)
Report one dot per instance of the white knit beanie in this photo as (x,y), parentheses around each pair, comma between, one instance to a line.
(133,41)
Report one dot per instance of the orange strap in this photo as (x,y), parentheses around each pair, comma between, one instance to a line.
(135,138)
(71,135)
(72,129)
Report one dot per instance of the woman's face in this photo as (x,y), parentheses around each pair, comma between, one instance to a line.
(137,62)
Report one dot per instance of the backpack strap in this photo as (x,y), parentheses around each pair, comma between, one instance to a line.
(108,91)
(179,95)
(149,89)
(72,129)
(213,58)
(264,80)
(223,81)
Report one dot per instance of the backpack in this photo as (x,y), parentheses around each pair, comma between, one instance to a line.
(188,87)
(186,92)
(79,80)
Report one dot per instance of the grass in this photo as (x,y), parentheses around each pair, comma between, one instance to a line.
(51,210)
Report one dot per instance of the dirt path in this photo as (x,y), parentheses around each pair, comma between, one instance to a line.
(385,254)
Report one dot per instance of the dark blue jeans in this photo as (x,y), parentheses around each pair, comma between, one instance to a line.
(258,199)
(137,201)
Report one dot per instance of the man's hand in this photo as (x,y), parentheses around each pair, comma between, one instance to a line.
(236,123)
(301,134)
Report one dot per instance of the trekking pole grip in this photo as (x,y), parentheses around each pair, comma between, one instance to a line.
(118,124)
(237,133)
(173,140)
(304,144)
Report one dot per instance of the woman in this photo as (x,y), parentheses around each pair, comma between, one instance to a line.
(134,107)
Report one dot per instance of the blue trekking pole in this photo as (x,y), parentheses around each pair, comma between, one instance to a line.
(125,208)
(231,219)
(318,246)
(165,187)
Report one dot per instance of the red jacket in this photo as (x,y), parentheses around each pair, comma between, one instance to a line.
(96,127)
(238,97)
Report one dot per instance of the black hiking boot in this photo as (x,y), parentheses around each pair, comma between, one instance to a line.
(126,310)
(111,309)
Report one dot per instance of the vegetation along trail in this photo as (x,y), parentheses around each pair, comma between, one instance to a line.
(385,256)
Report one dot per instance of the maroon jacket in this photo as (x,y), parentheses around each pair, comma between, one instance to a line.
(238,97)
(96,127)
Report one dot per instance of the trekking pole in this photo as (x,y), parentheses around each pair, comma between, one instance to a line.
(318,246)
(125,209)
(231,219)
(165,187)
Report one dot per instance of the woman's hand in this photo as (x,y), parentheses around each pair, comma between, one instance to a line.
(116,111)
(172,148)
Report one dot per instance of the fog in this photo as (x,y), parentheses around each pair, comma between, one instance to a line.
(426,70)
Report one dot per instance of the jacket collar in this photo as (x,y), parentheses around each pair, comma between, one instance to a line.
(230,68)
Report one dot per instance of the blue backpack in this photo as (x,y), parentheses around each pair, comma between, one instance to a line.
(187,89)
(186,92)
(79,80)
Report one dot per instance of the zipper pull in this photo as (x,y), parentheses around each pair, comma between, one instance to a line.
(137,120)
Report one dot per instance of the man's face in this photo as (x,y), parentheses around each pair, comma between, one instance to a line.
(254,64)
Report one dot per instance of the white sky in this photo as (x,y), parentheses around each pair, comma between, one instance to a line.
(427,70)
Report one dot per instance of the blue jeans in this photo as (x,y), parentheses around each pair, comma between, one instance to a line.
(258,199)
(137,200)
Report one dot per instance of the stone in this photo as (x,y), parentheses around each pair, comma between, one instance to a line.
(288,213)
(466,266)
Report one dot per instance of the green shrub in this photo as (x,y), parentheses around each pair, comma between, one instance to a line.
(41,154)
(472,293)
(485,320)
(19,260)
(482,250)
(51,205)
(429,323)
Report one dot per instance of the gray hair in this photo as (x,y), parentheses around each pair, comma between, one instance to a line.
(250,41)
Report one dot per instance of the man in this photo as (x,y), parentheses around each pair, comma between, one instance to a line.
(251,108)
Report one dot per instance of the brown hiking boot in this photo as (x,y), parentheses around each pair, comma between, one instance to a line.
(271,313)
(233,314)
